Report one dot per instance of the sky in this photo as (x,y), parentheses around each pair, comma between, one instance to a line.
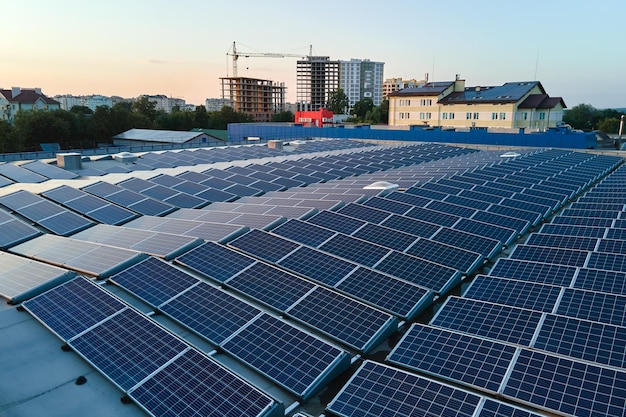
(575,48)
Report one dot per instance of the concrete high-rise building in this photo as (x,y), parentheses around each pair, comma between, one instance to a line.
(391,85)
(361,78)
(317,77)
(258,98)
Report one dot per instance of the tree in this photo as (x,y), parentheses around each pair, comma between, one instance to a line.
(145,107)
(35,127)
(283,116)
(610,125)
(362,106)
(337,101)
(583,116)
(201,117)
(6,137)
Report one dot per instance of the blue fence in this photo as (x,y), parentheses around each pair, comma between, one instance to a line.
(552,138)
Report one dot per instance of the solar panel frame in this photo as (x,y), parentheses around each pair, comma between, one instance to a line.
(215,261)
(532,271)
(571,257)
(612,282)
(593,306)
(523,294)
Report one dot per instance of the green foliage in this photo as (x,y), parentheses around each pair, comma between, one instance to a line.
(34,127)
(6,137)
(337,101)
(586,117)
(81,110)
(361,107)
(285,116)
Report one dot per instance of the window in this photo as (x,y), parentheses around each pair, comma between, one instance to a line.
(468,116)
(425,116)
(444,116)
(426,102)
(475,116)
(494,116)
(451,116)
(408,102)
(542,116)
(525,116)
(502,116)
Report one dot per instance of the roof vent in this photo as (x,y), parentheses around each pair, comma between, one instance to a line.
(509,155)
(381,185)
(125,157)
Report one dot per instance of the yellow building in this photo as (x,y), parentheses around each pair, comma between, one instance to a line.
(449,104)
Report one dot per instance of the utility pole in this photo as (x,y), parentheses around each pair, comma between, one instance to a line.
(621,128)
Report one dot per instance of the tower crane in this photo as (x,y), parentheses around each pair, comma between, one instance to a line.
(236,55)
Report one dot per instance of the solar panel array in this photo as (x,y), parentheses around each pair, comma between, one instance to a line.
(294,274)
(141,357)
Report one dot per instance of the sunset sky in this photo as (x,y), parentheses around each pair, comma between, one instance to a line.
(576,48)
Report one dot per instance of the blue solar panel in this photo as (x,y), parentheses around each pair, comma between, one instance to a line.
(450,208)
(544,273)
(317,265)
(354,249)
(493,321)
(396,296)
(607,261)
(73,307)
(503,235)
(603,308)
(581,339)
(385,204)
(460,358)
(303,232)
(485,246)
(567,386)
(128,347)
(411,199)
(521,226)
(433,216)
(459,259)
(264,245)
(570,257)
(411,226)
(337,222)
(154,281)
(520,214)
(377,390)
(14,231)
(290,357)
(611,282)
(562,242)
(496,409)
(193,384)
(384,236)
(276,288)
(210,312)
(344,319)
(529,295)
(359,211)
(419,271)
(573,230)
(215,261)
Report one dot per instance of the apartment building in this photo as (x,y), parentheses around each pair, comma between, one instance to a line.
(258,98)
(317,77)
(361,78)
(450,104)
(391,85)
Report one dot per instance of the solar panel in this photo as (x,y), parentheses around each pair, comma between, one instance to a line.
(504,235)
(290,357)
(424,273)
(378,390)
(154,281)
(492,408)
(344,319)
(572,230)
(529,295)
(210,312)
(594,306)
(581,339)
(566,386)
(215,261)
(336,221)
(607,261)
(520,214)
(127,348)
(611,282)
(521,226)
(14,231)
(73,307)
(317,265)
(411,199)
(129,199)
(390,294)
(277,289)
(570,257)
(562,242)
(459,358)
(385,204)
(487,247)
(264,245)
(384,236)
(359,211)
(493,321)
(453,257)
(355,250)
(449,208)
(540,272)
(19,174)
(411,226)
(48,170)
(433,216)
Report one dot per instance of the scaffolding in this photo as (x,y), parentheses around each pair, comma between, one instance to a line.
(258,98)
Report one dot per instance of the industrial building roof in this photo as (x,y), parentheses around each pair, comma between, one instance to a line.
(484,284)
(159,136)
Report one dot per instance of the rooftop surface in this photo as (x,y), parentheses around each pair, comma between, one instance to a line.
(254,281)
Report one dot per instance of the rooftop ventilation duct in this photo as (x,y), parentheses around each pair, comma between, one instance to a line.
(510,155)
(125,157)
(381,185)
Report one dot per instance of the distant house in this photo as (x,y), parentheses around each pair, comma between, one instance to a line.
(148,137)
(451,104)
(16,99)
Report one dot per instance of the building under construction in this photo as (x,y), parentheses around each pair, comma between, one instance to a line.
(255,97)
(317,77)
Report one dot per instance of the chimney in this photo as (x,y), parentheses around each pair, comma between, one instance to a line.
(478,89)
(38,90)
(15,91)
